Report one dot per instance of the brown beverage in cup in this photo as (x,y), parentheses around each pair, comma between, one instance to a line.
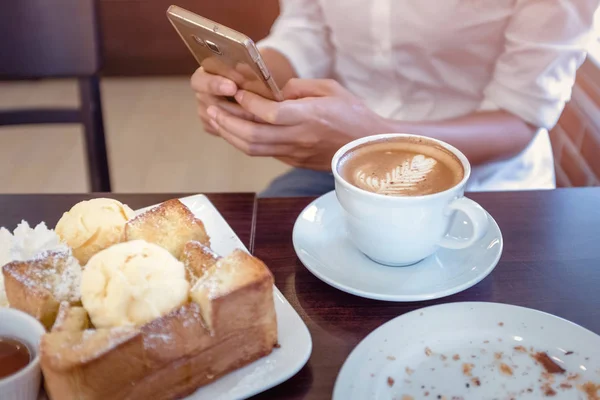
(408,166)
(399,193)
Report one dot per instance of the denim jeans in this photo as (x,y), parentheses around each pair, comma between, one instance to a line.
(300,182)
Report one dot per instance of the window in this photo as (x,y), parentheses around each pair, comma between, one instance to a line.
(597,22)
(594,53)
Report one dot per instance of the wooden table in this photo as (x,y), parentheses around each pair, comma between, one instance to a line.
(551,262)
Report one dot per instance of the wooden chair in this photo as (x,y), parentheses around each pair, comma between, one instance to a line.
(52,39)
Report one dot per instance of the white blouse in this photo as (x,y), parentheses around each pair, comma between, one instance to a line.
(433,60)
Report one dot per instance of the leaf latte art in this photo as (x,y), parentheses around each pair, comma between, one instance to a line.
(405,177)
(402,167)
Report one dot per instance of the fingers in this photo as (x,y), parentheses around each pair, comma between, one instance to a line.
(253,138)
(273,112)
(300,88)
(253,148)
(290,112)
(203,82)
(206,100)
(256,149)
(251,131)
(235,109)
(206,120)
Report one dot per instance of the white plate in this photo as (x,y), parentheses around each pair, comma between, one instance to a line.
(391,363)
(293,335)
(321,243)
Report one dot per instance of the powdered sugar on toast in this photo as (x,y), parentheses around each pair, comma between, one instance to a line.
(31,244)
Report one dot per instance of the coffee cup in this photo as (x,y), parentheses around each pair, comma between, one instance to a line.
(399,193)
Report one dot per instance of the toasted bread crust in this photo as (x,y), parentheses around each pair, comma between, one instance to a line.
(30,284)
(170,225)
(197,259)
(171,356)
(228,322)
(71,319)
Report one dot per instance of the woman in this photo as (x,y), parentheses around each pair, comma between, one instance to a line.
(487,76)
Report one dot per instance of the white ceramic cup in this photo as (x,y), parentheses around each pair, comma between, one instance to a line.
(401,231)
(25,384)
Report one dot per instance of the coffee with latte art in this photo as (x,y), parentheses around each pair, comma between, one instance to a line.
(401,167)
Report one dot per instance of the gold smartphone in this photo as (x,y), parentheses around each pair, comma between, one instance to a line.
(225,52)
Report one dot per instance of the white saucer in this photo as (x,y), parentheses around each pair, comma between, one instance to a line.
(473,351)
(322,245)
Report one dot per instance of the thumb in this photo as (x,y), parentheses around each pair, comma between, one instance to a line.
(300,88)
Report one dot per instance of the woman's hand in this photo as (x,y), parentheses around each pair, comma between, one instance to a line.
(305,130)
(211,91)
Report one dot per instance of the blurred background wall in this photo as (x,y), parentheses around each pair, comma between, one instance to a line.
(138,40)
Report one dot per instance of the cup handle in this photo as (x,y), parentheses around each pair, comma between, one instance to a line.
(479,221)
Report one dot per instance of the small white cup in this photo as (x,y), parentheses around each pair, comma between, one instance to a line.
(25,384)
(401,231)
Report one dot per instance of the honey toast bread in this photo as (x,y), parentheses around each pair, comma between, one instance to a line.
(235,293)
(170,225)
(197,259)
(37,286)
(71,318)
(225,317)
(229,323)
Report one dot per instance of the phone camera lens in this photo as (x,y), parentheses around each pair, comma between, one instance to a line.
(213,47)
(198,40)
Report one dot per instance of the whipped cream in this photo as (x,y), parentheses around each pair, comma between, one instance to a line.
(27,243)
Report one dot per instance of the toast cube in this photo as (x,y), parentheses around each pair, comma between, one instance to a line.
(71,319)
(165,359)
(237,293)
(37,286)
(197,259)
(111,363)
(91,364)
(230,323)
(170,225)
(184,376)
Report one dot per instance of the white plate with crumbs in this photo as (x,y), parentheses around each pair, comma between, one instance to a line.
(479,351)
(294,339)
